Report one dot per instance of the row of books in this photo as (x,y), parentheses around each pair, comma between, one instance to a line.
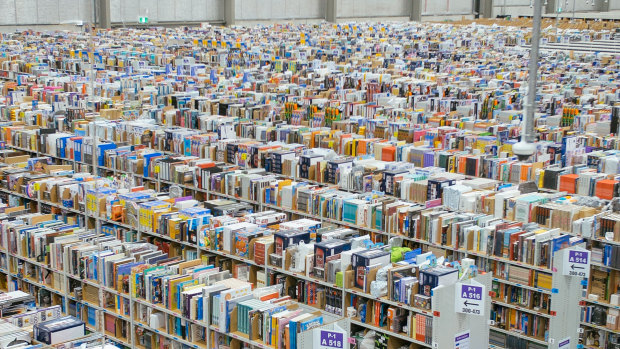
(479,233)
(433,76)
(157,280)
(174,283)
(524,298)
(519,207)
(526,323)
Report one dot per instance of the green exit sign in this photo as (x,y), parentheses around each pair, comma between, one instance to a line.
(143,20)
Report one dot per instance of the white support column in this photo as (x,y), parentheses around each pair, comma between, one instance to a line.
(550,7)
(485,9)
(104,14)
(416,11)
(331,11)
(229,12)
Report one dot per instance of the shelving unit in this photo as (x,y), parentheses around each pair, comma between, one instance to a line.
(498,267)
(131,317)
(264,206)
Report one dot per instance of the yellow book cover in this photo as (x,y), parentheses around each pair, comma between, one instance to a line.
(284,183)
(172,290)
(192,287)
(174,227)
(155,220)
(274,330)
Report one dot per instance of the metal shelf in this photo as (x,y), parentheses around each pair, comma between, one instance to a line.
(527,310)
(389,333)
(520,335)
(602,328)
(536,289)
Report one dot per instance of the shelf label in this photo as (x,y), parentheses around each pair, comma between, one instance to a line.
(461,340)
(470,298)
(564,343)
(329,339)
(577,263)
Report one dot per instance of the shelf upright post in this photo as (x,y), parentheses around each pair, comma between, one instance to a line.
(450,323)
(132,324)
(564,327)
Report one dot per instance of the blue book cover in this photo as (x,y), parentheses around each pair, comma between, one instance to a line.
(507,234)
(92,316)
(304,326)
(77,150)
(560,242)
(180,286)
(101,148)
(147,161)
(199,308)
(230,305)
(349,212)
(187,142)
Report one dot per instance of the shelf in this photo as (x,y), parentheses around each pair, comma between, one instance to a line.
(541,290)
(519,335)
(116,314)
(389,333)
(601,265)
(116,340)
(527,310)
(602,328)
(168,335)
(309,215)
(168,311)
(301,276)
(394,303)
(604,304)
(241,337)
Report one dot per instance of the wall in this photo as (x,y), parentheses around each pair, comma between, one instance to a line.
(370,9)
(161,11)
(53,12)
(446,7)
(44,12)
(512,8)
(279,10)
(522,7)
(35,13)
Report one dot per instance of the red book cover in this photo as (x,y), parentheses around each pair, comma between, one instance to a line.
(513,240)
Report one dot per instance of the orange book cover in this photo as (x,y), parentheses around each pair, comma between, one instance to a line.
(605,188)
(362,145)
(343,138)
(525,170)
(388,153)
(420,334)
(462,163)
(568,183)
(269,296)
(313,137)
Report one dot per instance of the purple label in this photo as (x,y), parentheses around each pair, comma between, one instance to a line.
(471,292)
(566,342)
(332,339)
(579,257)
(461,337)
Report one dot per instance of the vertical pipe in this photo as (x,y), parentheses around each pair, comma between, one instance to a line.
(331,11)
(104,14)
(528,134)
(229,12)
(416,11)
